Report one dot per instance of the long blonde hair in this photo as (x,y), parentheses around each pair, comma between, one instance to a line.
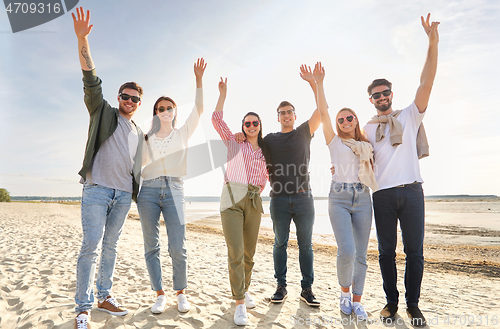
(358,134)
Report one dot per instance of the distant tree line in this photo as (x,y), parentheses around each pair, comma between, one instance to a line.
(47,198)
(4,195)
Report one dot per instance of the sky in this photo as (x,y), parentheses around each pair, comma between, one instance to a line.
(259,46)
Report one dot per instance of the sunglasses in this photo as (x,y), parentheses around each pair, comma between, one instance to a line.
(349,118)
(126,97)
(386,93)
(162,109)
(283,113)
(255,123)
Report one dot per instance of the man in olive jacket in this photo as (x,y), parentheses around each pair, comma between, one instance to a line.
(110,174)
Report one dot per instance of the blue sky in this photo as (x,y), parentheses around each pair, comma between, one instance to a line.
(259,46)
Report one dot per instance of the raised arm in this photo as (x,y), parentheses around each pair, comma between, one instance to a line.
(430,66)
(319,76)
(307,75)
(199,69)
(222,95)
(217,117)
(82,30)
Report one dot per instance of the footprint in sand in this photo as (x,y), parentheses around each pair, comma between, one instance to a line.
(13,301)
(195,322)
(22,286)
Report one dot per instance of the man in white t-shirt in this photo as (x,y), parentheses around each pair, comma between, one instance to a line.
(393,135)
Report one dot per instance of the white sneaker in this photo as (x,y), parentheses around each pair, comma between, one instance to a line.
(359,311)
(159,305)
(82,321)
(345,305)
(240,315)
(249,302)
(182,303)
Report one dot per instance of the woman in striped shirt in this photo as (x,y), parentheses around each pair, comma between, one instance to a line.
(241,205)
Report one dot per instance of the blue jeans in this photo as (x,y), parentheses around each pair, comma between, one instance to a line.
(350,209)
(300,208)
(164,195)
(103,215)
(406,204)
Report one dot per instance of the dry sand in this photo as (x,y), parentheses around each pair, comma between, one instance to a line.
(40,244)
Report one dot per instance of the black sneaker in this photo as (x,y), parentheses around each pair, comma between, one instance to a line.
(307,296)
(280,295)
(416,317)
(389,312)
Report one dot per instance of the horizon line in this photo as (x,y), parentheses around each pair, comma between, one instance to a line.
(318,196)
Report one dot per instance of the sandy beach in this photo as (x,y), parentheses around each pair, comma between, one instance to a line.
(41,241)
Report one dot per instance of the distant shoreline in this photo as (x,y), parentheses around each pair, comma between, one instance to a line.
(445,198)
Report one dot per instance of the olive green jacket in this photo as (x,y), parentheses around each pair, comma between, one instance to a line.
(103,123)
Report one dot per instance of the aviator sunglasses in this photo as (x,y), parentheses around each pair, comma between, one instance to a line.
(126,97)
(349,118)
(249,123)
(283,113)
(162,109)
(386,93)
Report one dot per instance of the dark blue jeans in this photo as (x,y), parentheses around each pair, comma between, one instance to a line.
(406,204)
(300,208)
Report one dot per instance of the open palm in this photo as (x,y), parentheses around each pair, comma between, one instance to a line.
(199,67)
(81,23)
(306,73)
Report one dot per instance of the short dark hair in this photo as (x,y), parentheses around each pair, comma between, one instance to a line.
(379,82)
(283,104)
(130,85)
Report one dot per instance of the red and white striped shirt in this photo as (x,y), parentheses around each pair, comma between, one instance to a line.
(244,165)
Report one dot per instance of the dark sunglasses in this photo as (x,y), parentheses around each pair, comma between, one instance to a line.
(283,113)
(255,123)
(162,109)
(126,97)
(349,118)
(386,93)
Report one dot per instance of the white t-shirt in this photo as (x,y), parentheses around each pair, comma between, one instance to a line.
(344,160)
(397,165)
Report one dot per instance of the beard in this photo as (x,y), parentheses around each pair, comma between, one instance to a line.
(384,107)
(122,109)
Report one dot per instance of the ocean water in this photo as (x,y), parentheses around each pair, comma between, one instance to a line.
(463,213)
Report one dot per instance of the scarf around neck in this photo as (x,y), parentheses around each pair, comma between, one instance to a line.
(396,132)
(364,151)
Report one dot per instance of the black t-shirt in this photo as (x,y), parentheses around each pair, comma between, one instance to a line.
(290,154)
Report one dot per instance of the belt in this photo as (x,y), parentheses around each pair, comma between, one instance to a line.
(403,185)
(253,192)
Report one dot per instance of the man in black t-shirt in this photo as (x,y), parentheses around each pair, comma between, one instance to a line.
(291,196)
